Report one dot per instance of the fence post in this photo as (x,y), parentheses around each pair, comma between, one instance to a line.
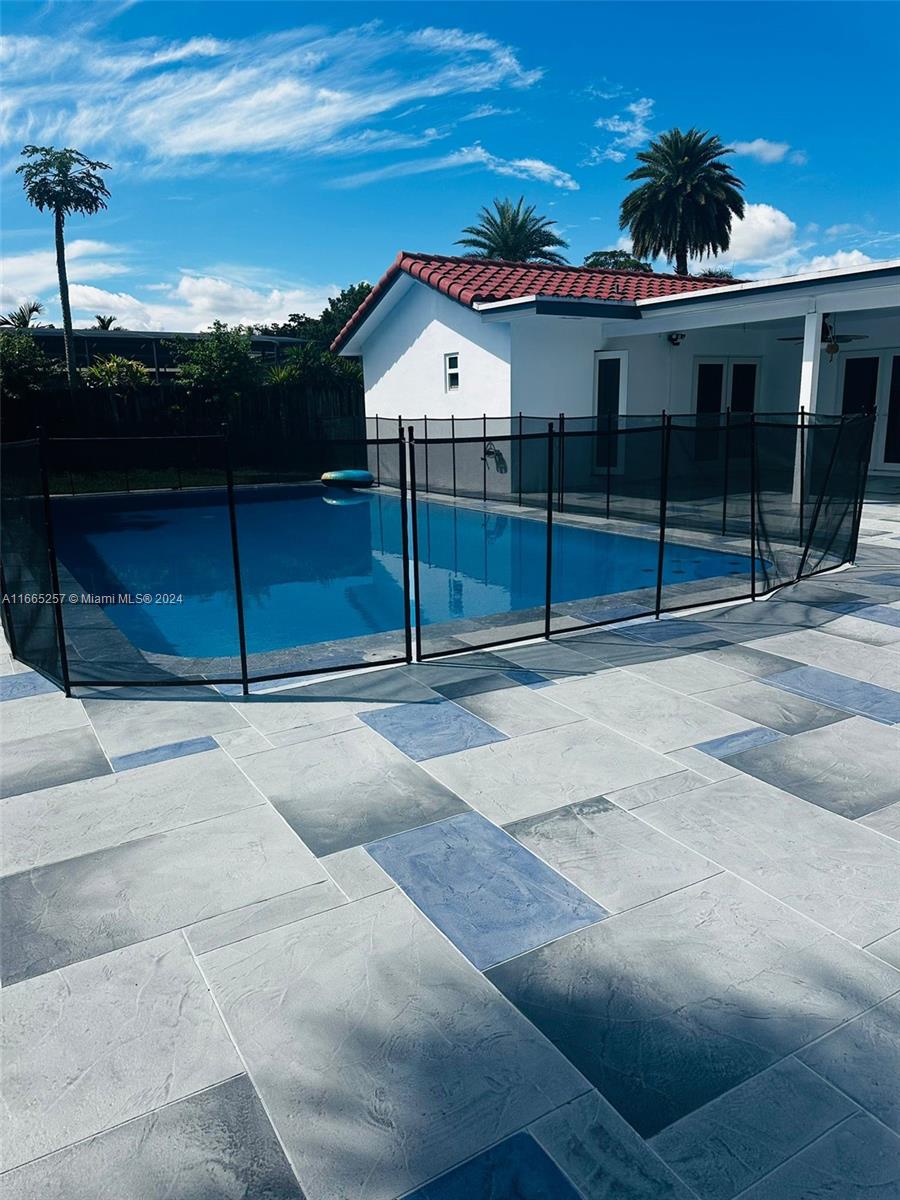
(802,468)
(520,457)
(725,474)
(609,449)
(426,453)
(548,582)
(753,487)
(404,544)
(560,484)
(484,458)
(453,450)
(377,452)
(51,558)
(417,605)
(663,506)
(236,562)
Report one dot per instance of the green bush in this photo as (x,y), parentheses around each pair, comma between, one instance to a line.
(221,365)
(25,370)
(116,373)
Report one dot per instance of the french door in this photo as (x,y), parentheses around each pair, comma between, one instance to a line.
(872,381)
(722,383)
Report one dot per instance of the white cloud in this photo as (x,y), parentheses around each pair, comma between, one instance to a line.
(467,156)
(606,89)
(488,110)
(227,292)
(764,233)
(631,128)
(833,262)
(762,150)
(33,276)
(842,230)
(301,92)
(765,245)
(765,151)
(195,301)
(369,141)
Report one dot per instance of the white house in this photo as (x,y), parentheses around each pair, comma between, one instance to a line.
(441,335)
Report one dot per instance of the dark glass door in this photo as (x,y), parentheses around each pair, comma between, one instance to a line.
(609,375)
(710,389)
(743,387)
(860,385)
(710,377)
(892,426)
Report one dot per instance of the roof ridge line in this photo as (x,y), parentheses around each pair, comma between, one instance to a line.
(536,265)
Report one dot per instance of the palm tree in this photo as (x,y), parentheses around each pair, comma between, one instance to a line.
(616,260)
(715,273)
(514,233)
(686,204)
(21,317)
(65,182)
(104,322)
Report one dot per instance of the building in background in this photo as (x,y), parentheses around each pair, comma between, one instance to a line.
(149,347)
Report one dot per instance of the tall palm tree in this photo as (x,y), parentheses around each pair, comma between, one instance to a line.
(104,322)
(686,204)
(22,317)
(65,182)
(514,233)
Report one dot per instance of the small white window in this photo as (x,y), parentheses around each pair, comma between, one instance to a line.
(451,372)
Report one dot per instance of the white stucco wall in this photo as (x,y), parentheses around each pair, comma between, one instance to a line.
(552,365)
(544,365)
(663,376)
(403,360)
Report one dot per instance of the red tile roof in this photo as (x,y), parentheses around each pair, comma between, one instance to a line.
(477,280)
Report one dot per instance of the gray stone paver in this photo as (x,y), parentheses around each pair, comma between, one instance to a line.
(122,1068)
(364,1018)
(103,1041)
(838,873)
(732,1142)
(172,1151)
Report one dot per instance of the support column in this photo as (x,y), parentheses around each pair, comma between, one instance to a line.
(809,386)
(812,356)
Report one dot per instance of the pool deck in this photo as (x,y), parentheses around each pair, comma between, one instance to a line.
(614,917)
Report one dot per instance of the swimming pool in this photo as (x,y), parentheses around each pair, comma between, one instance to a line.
(321,568)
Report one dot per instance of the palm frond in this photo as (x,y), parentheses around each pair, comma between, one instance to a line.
(515,233)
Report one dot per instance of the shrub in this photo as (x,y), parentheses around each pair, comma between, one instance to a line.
(221,365)
(25,370)
(117,373)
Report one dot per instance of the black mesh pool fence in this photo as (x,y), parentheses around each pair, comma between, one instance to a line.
(167,560)
(31,608)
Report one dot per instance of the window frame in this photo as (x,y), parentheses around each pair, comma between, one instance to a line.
(448,371)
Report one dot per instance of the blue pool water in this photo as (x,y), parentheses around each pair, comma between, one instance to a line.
(320,568)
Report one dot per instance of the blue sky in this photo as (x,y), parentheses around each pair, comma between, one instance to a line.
(267,154)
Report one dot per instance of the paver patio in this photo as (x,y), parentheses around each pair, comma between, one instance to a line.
(615,917)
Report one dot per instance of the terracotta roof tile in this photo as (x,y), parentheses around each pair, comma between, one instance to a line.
(478,280)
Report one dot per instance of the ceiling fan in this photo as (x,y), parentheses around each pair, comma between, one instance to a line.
(831,339)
